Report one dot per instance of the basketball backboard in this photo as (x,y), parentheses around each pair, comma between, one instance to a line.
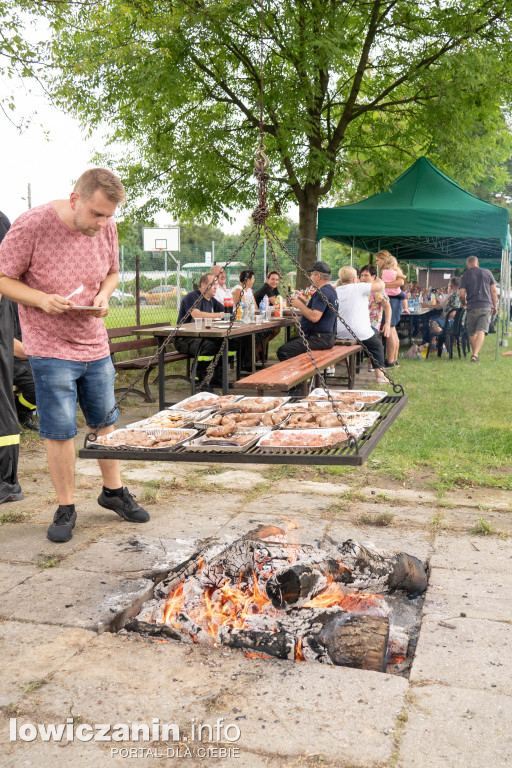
(165,239)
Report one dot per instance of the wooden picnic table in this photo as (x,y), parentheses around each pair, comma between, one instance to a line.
(217,331)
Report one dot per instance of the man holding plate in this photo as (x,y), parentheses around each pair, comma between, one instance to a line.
(60,262)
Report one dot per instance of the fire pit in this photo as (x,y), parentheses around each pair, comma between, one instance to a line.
(347,604)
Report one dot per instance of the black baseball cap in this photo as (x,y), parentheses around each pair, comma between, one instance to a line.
(322,267)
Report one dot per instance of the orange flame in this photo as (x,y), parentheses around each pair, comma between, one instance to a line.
(258,656)
(298,651)
(174,603)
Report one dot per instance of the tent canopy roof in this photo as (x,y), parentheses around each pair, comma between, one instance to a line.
(423,216)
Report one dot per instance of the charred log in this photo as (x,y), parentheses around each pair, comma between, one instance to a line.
(278,644)
(377,570)
(354,641)
(294,585)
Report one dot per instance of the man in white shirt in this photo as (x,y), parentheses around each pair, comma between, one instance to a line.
(222,287)
(353,308)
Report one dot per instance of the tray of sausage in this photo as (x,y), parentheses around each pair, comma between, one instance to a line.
(202,400)
(349,396)
(319,418)
(236,441)
(144,439)
(167,420)
(298,440)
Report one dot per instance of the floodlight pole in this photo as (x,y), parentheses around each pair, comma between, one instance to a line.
(122,273)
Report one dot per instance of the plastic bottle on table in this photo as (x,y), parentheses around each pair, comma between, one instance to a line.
(277,308)
(228,304)
(240,311)
(263,310)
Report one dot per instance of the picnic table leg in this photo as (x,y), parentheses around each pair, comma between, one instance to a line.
(225,361)
(253,352)
(351,370)
(161,374)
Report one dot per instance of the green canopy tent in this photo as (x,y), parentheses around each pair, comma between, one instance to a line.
(426,218)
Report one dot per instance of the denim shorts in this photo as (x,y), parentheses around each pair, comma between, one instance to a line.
(60,384)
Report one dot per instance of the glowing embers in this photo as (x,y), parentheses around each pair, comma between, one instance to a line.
(277,598)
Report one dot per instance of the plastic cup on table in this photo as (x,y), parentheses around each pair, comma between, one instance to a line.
(269,313)
(208,322)
(258,319)
(199,323)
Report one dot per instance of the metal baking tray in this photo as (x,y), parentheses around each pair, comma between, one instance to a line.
(355,431)
(211,397)
(187,418)
(337,394)
(204,422)
(183,434)
(363,420)
(196,444)
(324,404)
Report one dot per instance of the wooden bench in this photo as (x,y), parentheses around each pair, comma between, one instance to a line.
(139,363)
(298,370)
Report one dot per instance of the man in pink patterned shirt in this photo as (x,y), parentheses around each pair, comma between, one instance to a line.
(48,253)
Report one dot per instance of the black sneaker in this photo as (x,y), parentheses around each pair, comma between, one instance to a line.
(61,529)
(12,497)
(125,506)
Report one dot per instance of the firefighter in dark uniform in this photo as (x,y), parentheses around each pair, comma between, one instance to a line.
(10,489)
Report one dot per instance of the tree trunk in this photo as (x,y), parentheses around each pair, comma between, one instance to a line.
(308,207)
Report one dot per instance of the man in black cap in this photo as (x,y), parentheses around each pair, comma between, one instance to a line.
(318,320)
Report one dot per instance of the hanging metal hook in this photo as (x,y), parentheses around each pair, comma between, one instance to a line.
(261,160)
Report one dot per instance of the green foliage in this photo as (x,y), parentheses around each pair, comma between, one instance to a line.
(352,94)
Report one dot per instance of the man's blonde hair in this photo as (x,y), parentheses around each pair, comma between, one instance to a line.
(346,275)
(100,178)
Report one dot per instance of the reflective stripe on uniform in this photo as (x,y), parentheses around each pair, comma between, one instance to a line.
(26,403)
(9,440)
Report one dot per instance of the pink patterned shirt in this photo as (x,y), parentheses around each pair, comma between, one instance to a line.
(44,253)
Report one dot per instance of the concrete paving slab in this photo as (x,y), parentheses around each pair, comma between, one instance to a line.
(407,495)
(310,529)
(237,479)
(462,652)
(65,755)
(281,708)
(320,488)
(490,498)
(12,574)
(33,652)
(465,519)
(457,728)
(193,515)
(136,556)
(477,595)
(417,514)
(73,598)
(29,544)
(477,554)
(414,542)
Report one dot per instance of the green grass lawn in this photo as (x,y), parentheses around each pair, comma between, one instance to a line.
(457,424)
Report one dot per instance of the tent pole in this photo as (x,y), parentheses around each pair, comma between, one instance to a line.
(352,253)
(500,304)
(507,310)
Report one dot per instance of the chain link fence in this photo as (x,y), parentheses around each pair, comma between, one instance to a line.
(164,278)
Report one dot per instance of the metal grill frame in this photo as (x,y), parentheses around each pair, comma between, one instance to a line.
(389,408)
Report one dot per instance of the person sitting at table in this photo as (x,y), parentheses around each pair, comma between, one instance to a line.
(208,306)
(353,308)
(271,290)
(318,320)
(378,304)
(445,320)
(223,288)
(244,288)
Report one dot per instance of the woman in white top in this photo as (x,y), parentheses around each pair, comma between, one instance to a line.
(246,283)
